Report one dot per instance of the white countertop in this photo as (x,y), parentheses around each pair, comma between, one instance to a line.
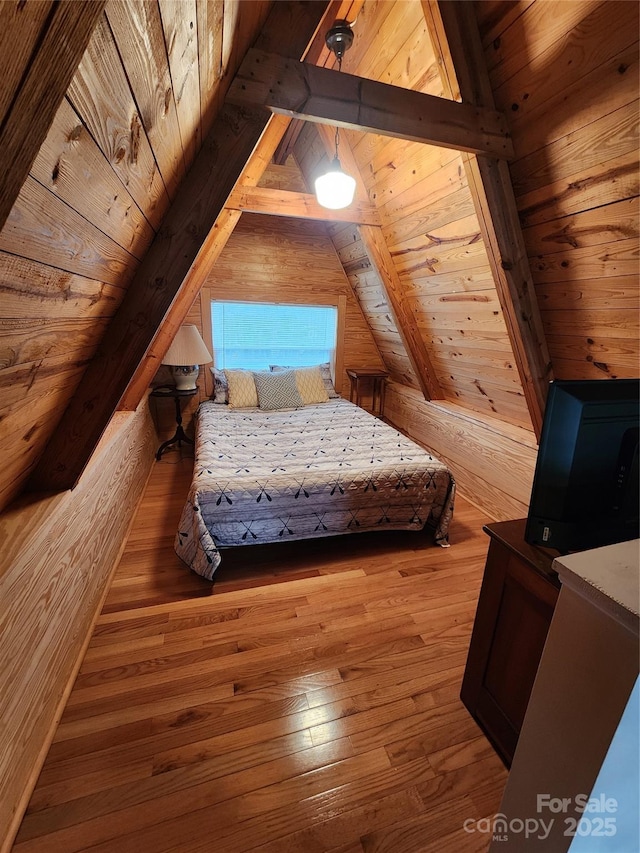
(609,577)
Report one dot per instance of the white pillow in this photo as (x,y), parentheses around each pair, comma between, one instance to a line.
(220,386)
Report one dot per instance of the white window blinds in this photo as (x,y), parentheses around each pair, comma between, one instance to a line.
(253,335)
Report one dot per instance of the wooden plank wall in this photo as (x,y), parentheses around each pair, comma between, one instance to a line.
(57,557)
(430,226)
(277,259)
(147,89)
(567,76)
(492,462)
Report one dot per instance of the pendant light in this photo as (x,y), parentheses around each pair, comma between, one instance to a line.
(335,189)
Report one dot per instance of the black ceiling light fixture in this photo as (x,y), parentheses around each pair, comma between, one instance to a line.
(335,189)
(339,39)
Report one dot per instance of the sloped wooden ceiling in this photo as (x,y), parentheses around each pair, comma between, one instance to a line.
(430,227)
(146,93)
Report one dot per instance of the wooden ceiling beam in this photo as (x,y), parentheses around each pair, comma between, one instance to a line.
(172,271)
(39,69)
(382,262)
(454,33)
(298,205)
(324,96)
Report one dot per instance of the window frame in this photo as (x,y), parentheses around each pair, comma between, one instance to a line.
(337,300)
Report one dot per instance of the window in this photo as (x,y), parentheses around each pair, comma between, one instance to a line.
(254,335)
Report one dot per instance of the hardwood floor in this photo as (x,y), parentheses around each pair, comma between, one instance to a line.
(306,701)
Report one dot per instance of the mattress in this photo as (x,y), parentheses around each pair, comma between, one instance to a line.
(321,470)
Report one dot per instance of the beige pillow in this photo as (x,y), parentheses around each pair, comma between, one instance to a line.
(311,385)
(242,389)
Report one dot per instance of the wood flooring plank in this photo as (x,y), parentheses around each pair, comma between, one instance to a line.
(355,822)
(273,711)
(411,835)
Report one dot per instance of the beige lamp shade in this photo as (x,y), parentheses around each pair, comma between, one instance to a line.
(186,353)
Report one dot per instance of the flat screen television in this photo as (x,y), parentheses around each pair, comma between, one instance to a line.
(585,487)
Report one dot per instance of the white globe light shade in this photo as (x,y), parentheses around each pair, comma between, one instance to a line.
(335,190)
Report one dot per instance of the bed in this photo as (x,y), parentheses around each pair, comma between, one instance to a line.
(319,470)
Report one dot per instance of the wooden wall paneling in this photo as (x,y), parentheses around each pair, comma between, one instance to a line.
(548,113)
(27,424)
(23,341)
(179,22)
(57,558)
(19,381)
(460,281)
(496,15)
(413,66)
(203,303)
(599,324)
(436,200)
(284,177)
(492,462)
(608,138)
(137,30)
(369,292)
(190,221)
(152,295)
(100,94)
(536,29)
(380,260)
(414,242)
(601,261)
(470,394)
(389,43)
(31,289)
(274,277)
(72,167)
(384,264)
(415,258)
(581,357)
(454,31)
(210,16)
(370,20)
(21,27)
(230,27)
(616,179)
(615,291)
(605,224)
(41,48)
(391,169)
(43,228)
(378,158)
(310,154)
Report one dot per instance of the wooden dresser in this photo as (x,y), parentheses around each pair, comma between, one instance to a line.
(516,603)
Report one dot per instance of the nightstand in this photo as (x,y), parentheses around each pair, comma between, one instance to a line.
(172,392)
(363,378)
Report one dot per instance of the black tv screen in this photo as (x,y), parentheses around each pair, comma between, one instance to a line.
(585,487)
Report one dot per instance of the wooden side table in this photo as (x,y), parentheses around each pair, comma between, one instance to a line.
(361,377)
(174,393)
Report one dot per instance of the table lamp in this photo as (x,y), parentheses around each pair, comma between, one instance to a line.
(185,355)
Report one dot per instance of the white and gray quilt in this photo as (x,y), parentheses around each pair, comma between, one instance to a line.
(321,470)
